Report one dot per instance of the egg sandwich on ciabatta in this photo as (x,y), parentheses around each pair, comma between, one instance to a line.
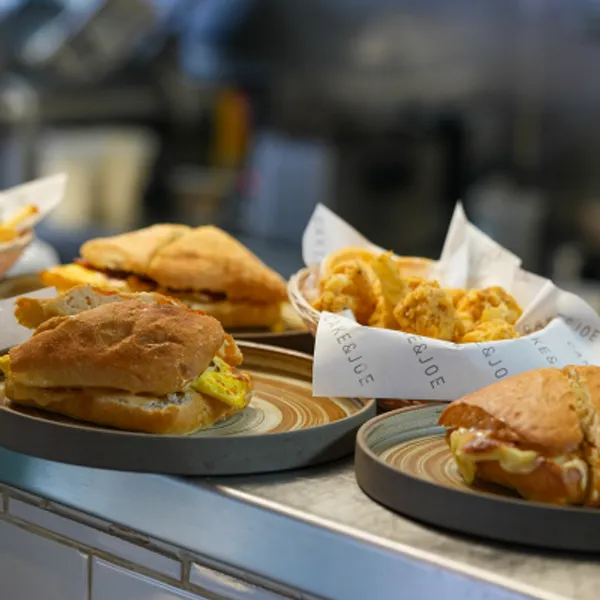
(537,433)
(140,362)
(205,268)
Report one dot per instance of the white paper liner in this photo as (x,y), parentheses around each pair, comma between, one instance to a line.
(352,360)
(46,194)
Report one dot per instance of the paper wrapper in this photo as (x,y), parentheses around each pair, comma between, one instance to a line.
(11,333)
(46,194)
(351,360)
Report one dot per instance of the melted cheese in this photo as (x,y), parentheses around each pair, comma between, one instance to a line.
(512,460)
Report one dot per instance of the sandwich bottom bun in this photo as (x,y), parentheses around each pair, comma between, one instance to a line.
(237,315)
(177,414)
(549,482)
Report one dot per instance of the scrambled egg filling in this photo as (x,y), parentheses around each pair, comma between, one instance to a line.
(512,460)
(5,364)
(224,383)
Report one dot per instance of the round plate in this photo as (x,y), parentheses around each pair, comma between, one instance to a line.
(283,428)
(403,462)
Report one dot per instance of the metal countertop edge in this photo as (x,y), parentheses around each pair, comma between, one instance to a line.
(256,535)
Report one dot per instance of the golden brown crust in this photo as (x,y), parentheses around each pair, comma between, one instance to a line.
(32,312)
(549,482)
(533,409)
(207,258)
(128,345)
(130,252)
(119,410)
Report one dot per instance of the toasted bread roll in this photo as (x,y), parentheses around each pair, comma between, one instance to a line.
(537,433)
(129,346)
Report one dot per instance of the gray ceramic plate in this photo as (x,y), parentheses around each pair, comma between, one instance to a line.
(403,462)
(283,428)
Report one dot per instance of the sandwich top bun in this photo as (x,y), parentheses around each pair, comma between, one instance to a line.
(209,259)
(130,346)
(534,410)
(130,252)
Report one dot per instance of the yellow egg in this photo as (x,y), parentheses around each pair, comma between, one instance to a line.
(220,381)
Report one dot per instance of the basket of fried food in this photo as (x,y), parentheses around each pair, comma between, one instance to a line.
(401,293)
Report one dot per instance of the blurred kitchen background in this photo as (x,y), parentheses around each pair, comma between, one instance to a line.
(247,113)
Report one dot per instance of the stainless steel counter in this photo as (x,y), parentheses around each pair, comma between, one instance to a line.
(312,530)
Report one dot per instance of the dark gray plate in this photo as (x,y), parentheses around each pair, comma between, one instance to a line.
(283,428)
(403,462)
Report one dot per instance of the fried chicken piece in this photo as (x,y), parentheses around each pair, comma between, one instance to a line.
(428,311)
(353,289)
(480,306)
(490,331)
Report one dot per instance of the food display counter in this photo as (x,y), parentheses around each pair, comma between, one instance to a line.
(302,534)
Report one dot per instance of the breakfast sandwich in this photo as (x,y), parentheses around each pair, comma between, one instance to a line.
(537,433)
(134,362)
(205,268)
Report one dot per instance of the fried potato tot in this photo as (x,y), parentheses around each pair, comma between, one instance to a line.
(428,311)
(489,331)
(489,304)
